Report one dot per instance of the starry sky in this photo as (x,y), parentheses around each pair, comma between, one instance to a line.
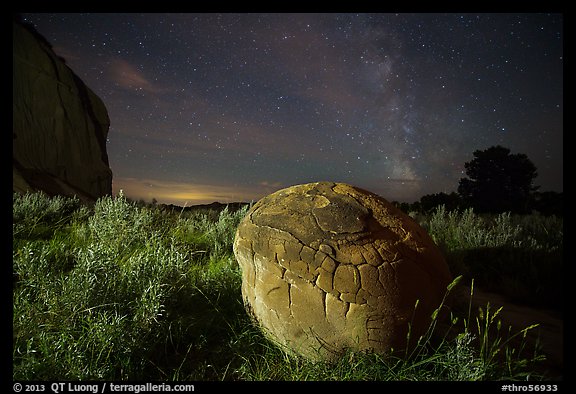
(230,107)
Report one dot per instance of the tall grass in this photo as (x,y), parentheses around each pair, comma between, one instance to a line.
(520,256)
(96,299)
(121,291)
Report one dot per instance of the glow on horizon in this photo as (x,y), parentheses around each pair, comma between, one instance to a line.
(187,194)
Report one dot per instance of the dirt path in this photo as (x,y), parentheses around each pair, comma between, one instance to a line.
(550,332)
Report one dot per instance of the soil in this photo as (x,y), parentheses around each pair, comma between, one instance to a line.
(549,335)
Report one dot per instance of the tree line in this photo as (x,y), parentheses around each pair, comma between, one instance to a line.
(497,181)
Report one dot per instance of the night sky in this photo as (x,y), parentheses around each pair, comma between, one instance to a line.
(231,107)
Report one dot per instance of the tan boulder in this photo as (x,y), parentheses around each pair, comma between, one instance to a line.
(328,267)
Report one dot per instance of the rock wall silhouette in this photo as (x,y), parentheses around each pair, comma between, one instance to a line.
(59,125)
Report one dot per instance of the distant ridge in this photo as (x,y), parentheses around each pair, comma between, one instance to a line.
(217,206)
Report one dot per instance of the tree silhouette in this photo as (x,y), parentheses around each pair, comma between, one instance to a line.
(450,201)
(548,203)
(498,181)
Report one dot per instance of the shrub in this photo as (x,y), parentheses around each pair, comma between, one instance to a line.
(37,215)
(519,256)
(465,230)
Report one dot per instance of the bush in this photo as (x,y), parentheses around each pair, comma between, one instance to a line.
(519,256)
(456,230)
(36,215)
(117,224)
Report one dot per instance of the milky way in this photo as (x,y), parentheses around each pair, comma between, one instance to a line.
(230,107)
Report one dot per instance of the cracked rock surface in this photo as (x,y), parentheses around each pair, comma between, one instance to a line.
(328,267)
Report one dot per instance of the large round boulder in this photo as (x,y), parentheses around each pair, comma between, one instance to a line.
(328,267)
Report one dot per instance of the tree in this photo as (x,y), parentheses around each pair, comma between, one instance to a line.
(431,201)
(498,181)
(548,203)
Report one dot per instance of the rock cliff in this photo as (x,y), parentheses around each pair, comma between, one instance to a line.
(59,125)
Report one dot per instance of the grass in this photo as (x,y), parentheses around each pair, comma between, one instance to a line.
(519,256)
(127,292)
